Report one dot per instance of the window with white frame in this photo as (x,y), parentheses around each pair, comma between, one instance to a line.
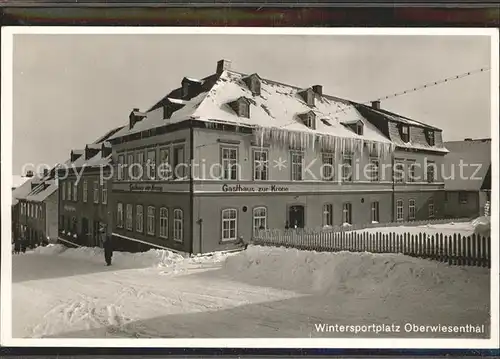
(130,166)
(121,166)
(139,159)
(75,191)
(259,219)
(104,192)
(327,172)
(430,171)
(180,162)
(139,218)
(64,191)
(411,209)
(229,224)
(85,191)
(164,222)
(229,161)
(35,211)
(151,220)
(69,189)
(164,171)
(130,217)
(327,214)
(399,171)
(347,167)
(119,215)
(412,171)
(151,165)
(260,165)
(374,170)
(375,212)
(431,209)
(96,191)
(347,213)
(178,225)
(399,210)
(297,158)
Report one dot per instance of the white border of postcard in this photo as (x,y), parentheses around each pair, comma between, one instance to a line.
(6,176)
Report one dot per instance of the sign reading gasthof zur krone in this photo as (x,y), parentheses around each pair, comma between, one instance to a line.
(239,188)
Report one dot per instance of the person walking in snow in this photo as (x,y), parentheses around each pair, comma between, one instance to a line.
(108,249)
(17,245)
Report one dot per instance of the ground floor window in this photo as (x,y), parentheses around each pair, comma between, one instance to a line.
(229,224)
(151,220)
(130,218)
(119,215)
(411,209)
(347,213)
(375,212)
(178,225)
(462,197)
(327,214)
(399,210)
(431,209)
(164,222)
(259,219)
(139,218)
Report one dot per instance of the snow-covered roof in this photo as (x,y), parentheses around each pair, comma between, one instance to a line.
(108,134)
(18,180)
(41,192)
(273,114)
(476,159)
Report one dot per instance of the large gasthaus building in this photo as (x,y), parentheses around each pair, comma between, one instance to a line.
(221,157)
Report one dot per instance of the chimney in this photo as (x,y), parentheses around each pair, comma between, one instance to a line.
(45,172)
(135,116)
(29,174)
(468,139)
(376,105)
(74,155)
(318,89)
(223,65)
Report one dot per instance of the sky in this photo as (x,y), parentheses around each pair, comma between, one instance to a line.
(70,89)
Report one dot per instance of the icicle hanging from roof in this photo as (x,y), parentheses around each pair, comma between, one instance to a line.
(300,139)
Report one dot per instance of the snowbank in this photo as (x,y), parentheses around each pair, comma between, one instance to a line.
(481,226)
(157,258)
(328,273)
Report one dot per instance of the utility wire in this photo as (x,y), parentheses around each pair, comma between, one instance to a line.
(394,95)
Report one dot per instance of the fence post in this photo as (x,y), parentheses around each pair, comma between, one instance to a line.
(454,248)
(470,257)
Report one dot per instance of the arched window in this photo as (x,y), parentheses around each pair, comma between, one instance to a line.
(178,225)
(259,219)
(151,220)
(229,224)
(164,222)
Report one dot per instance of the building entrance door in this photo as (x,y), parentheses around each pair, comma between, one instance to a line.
(296,216)
(95,234)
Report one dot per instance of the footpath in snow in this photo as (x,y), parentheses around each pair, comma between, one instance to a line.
(260,292)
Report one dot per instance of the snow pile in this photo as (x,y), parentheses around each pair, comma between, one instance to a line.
(481,226)
(51,249)
(357,273)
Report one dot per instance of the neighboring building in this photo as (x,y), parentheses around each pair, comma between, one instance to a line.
(266,155)
(83,205)
(36,217)
(18,181)
(467,177)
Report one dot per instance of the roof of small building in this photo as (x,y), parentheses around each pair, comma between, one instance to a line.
(474,157)
(41,192)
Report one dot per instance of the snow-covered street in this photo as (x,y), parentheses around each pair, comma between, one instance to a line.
(262,292)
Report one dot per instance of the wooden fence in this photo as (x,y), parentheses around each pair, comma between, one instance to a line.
(453,249)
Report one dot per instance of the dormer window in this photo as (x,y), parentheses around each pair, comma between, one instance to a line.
(190,87)
(356,126)
(429,134)
(359,128)
(244,109)
(241,106)
(253,83)
(308,96)
(405,133)
(309,119)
